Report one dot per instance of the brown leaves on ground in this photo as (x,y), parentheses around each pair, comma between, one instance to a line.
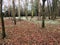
(29,33)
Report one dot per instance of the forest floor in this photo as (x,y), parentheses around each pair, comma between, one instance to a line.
(30,33)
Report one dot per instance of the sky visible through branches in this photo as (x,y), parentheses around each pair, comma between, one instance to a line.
(9,2)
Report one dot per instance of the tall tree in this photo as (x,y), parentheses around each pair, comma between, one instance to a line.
(49,8)
(54,7)
(58,12)
(14,12)
(19,10)
(26,5)
(5,9)
(43,17)
(32,12)
(9,8)
(2,21)
(39,7)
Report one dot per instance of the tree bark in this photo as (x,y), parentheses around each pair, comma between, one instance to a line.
(14,12)
(48,6)
(19,10)
(2,21)
(43,17)
(39,9)
(32,12)
(26,12)
(54,3)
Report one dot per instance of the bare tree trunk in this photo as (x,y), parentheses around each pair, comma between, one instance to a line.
(5,9)
(48,8)
(14,12)
(55,12)
(32,12)
(26,12)
(39,9)
(54,3)
(2,21)
(9,8)
(19,10)
(43,17)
